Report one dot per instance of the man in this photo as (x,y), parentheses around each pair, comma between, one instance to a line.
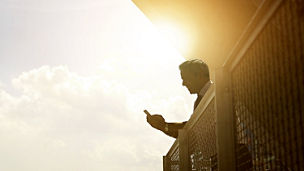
(195,76)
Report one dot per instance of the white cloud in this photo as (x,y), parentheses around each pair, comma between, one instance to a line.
(64,121)
(60,120)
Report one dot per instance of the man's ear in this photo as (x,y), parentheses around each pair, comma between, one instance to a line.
(201,77)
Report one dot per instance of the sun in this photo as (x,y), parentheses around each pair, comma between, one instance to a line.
(174,34)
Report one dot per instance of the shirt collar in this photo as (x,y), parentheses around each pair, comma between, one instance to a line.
(205,88)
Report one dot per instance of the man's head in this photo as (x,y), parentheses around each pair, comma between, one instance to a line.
(195,74)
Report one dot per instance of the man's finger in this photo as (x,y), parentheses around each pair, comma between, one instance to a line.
(147,113)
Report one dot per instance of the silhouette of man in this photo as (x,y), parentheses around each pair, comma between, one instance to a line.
(195,76)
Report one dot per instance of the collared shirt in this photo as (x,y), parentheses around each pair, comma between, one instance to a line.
(202,93)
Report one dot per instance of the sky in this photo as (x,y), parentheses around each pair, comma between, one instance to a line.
(75,78)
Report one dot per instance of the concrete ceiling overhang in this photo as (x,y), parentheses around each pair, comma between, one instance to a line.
(212,27)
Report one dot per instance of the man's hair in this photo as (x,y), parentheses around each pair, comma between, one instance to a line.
(195,66)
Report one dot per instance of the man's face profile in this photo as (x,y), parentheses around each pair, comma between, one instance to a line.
(192,81)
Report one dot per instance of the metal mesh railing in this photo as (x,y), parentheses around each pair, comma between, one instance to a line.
(174,160)
(268,95)
(202,141)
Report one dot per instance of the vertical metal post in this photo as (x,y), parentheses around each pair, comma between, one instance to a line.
(183,150)
(165,164)
(224,121)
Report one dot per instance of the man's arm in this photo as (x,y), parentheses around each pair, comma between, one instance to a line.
(158,122)
(172,128)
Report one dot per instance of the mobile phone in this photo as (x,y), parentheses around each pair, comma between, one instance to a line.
(147,113)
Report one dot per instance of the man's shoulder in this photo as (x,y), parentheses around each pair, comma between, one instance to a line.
(205,88)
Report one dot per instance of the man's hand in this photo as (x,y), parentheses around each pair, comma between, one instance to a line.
(156,121)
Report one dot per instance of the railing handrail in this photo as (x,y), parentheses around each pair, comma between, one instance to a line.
(173,148)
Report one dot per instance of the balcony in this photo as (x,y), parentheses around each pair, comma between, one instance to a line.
(253,117)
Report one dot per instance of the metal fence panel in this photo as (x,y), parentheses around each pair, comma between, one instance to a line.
(174,160)
(268,95)
(202,141)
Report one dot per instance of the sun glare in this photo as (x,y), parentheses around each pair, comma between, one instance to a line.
(174,34)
